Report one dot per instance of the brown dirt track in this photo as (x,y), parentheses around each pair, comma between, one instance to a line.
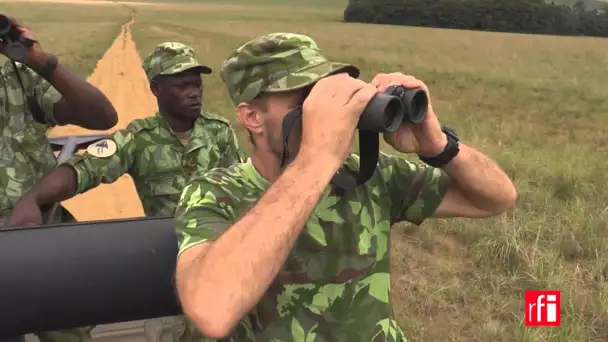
(119,75)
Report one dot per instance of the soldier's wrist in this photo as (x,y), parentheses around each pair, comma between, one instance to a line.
(43,64)
(30,197)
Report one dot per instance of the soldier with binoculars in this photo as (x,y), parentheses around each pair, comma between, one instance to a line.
(293,244)
(36,94)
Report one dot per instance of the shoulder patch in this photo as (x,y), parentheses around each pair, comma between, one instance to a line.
(215,117)
(141,124)
(102,149)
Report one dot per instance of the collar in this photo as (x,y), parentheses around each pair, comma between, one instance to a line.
(253,175)
(198,134)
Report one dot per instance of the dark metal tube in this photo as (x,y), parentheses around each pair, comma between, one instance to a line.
(88,273)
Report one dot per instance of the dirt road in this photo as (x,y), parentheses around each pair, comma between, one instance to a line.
(119,75)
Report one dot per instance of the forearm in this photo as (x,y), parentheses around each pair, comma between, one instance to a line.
(481,181)
(87,106)
(237,269)
(57,186)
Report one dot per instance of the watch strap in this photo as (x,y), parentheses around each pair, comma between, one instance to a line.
(49,67)
(449,152)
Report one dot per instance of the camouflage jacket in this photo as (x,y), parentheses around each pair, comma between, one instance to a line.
(156,160)
(25,153)
(335,284)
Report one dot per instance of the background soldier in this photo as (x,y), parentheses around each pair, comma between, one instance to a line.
(161,153)
(35,96)
(56,97)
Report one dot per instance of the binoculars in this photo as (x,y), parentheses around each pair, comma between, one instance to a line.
(386,111)
(15,46)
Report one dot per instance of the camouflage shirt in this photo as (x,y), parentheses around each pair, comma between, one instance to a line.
(335,284)
(152,154)
(25,153)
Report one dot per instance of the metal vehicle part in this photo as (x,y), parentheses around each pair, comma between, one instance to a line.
(115,275)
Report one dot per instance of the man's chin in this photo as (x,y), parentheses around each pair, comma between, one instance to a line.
(192,112)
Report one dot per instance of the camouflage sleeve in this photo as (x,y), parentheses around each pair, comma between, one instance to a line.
(230,150)
(415,190)
(104,161)
(45,94)
(203,213)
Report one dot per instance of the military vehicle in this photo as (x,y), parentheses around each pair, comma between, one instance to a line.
(115,275)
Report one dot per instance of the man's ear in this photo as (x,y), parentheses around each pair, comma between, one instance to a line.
(155,87)
(250,117)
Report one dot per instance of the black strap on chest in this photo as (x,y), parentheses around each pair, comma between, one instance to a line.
(369,145)
(30,100)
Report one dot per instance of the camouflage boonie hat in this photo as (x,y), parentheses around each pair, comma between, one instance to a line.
(277,62)
(171,58)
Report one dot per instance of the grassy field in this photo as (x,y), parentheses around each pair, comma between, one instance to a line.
(78,35)
(536,104)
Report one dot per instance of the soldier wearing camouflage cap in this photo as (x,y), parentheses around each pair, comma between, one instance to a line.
(276,249)
(37,94)
(160,153)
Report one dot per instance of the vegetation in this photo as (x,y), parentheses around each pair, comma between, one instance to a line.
(522,16)
(536,104)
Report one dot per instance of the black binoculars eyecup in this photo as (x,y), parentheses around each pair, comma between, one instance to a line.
(5,25)
(416,102)
(15,45)
(386,111)
(383,113)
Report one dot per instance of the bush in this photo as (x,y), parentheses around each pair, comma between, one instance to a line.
(519,16)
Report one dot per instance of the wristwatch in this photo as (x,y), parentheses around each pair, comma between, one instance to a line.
(449,152)
(49,67)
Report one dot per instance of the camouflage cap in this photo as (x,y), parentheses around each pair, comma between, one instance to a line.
(277,62)
(171,58)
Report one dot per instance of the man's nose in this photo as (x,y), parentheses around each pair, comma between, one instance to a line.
(194,93)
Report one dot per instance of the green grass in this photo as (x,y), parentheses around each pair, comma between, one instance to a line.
(536,104)
(78,35)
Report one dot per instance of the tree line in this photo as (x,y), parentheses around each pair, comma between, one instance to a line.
(517,16)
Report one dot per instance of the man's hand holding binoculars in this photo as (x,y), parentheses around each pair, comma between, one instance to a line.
(425,138)
(396,105)
(10,33)
(330,113)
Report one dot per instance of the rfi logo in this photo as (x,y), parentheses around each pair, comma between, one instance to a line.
(542,308)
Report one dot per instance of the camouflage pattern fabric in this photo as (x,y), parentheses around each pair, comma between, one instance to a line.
(189,333)
(170,58)
(335,283)
(274,63)
(154,157)
(25,153)
(161,161)
(151,153)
